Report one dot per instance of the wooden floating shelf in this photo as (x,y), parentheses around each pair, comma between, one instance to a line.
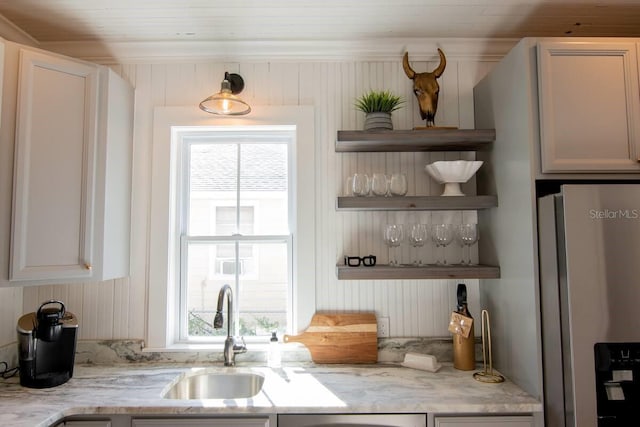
(386,272)
(414,140)
(418,203)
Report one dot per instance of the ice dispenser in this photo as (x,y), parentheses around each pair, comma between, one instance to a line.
(617,383)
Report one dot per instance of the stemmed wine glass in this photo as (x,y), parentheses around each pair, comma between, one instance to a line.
(467,236)
(442,235)
(417,239)
(393,237)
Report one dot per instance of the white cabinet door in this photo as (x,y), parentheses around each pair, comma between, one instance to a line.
(85,424)
(194,422)
(498,421)
(589,106)
(72,172)
(54,170)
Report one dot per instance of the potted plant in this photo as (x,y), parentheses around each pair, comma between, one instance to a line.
(378,106)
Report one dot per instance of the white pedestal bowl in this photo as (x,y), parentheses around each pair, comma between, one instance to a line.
(453,173)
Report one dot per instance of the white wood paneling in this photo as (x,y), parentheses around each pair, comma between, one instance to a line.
(116,309)
(180,21)
(10,311)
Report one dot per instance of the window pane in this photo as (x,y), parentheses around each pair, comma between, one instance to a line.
(260,296)
(264,285)
(226,220)
(264,184)
(213,180)
(204,280)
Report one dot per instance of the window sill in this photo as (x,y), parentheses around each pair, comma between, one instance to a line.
(194,348)
(177,348)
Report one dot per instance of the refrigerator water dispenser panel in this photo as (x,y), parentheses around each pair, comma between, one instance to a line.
(617,367)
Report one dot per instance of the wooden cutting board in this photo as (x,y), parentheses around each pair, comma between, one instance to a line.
(340,337)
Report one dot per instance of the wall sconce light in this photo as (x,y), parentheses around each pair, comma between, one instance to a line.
(226,102)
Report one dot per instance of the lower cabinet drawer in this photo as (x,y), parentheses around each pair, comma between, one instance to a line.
(499,421)
(353,420)
(202,422)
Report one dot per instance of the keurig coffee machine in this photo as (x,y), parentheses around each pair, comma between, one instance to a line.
(47,345)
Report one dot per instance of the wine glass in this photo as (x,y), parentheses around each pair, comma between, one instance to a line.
(360,184)
(467,236)
(348,189)
(379,184)
(393,237)
(442,235)
(417,239)
(398,184)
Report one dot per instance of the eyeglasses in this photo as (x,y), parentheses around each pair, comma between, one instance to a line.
(354,261)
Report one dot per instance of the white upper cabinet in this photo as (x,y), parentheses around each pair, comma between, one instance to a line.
(589,106)
(72,172)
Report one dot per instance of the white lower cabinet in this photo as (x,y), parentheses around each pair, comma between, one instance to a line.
(96,421)
(202,422)
(352,420)
(491,421)
(85,424)
(304,420)
(168,421)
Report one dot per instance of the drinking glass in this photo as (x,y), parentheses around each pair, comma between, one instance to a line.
(417,239)
(379,184)
(360,184)
(442,235)
(393,237)
(398,184)
(467,236)
(348,189)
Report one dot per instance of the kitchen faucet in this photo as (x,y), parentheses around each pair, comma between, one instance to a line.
(230,346)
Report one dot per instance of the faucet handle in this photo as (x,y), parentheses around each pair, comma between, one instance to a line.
(239,348)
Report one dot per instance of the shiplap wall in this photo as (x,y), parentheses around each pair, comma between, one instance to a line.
(117,309)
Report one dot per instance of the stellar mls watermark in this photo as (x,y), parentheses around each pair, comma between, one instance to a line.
(614,213)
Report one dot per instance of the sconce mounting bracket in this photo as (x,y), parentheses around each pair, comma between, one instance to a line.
(236,81)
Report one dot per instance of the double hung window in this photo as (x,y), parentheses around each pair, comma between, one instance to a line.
(232,202)
(235,210)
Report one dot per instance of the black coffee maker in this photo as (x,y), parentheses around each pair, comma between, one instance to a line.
(47,345)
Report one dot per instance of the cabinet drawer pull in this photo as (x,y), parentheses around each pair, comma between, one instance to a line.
(87,266)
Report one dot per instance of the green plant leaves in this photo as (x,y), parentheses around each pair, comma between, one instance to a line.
(378,102)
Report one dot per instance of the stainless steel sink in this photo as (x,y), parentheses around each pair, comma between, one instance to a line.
(215,385)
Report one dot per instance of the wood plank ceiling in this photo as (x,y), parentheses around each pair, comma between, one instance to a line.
(111,21)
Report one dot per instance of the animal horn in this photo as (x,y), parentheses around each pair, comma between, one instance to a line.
(443,63)
(407,68)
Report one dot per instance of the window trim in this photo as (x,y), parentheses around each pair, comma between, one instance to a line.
(161,328)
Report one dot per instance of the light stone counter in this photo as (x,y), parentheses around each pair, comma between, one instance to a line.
(303,388)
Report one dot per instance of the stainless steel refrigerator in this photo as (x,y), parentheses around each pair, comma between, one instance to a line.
(589,257)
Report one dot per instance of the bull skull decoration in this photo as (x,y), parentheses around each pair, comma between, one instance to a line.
(425,87)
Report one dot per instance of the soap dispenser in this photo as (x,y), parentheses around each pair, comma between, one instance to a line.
(274,358)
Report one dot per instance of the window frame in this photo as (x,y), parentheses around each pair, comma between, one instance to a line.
(162,331)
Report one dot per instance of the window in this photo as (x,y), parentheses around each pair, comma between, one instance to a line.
(234,229)
(206,234)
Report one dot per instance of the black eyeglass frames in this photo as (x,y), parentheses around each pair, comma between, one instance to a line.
(355,261)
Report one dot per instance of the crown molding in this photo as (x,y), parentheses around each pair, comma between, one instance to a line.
(419,49)
(11,32)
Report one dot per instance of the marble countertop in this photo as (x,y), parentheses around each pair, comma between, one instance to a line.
(304,388)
